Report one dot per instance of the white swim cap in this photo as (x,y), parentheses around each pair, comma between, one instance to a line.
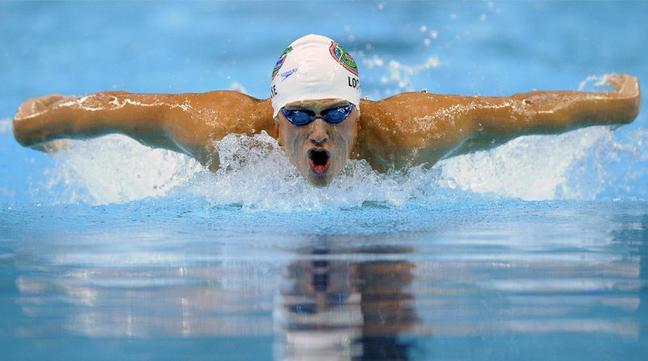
(314,67)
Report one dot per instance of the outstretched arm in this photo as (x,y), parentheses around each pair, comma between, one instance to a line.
(423,128)
(544,112)
(187,123)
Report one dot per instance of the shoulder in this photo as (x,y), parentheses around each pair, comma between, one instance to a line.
(384,132)
(413,127)
(236,111)
(402,120)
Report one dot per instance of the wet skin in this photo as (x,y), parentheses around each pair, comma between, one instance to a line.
(319,149)
(394,133)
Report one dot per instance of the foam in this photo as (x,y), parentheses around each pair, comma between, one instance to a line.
(6,126)
(400,75)
(116,169)
(529,168)
(255,174)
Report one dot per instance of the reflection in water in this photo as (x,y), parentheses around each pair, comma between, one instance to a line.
(452,293)
(339,309)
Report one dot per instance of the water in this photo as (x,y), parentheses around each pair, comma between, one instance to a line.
(535,250)
(464,280)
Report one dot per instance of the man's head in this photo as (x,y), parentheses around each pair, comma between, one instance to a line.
(315,98)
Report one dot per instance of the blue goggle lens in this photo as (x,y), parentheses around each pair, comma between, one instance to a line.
(299,116)
(337,115)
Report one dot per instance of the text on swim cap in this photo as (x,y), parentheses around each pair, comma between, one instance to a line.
(353,82)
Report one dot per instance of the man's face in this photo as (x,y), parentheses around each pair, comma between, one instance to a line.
(319,149)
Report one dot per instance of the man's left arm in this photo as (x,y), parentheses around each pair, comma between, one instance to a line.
(496,120)
(414,128)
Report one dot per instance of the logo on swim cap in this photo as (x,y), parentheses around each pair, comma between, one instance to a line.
(280,62)
(342,57)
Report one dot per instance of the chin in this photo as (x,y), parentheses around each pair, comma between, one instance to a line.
(319,180)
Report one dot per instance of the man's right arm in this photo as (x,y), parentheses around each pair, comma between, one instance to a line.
(187,123)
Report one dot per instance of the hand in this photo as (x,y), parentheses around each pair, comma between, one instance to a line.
(30,120)
(624,84)
(627,89)
(35,106)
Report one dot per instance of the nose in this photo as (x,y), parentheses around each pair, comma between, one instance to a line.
(318,135)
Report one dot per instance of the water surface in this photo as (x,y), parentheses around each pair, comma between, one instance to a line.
(110,250)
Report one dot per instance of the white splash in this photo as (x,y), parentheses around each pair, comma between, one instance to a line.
(5,126)
(597,83)
(400,74)
(116,169)
(530,168)
(256,174)
(237,87)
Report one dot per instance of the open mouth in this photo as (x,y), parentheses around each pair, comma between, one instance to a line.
(318,160)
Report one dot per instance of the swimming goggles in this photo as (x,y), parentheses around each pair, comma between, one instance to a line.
(335,115)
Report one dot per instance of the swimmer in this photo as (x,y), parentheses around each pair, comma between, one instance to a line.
(318,117)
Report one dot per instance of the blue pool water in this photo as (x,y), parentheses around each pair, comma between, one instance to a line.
(536,250)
